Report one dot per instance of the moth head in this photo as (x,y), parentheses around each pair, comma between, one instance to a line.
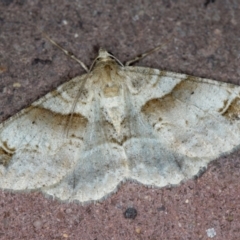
(105,56)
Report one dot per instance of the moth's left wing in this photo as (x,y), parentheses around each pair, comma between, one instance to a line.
(36,146)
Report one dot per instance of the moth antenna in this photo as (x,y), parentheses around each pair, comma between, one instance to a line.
(71,55)
(117,60)
(143,55)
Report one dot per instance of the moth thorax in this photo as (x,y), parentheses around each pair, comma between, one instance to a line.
(111,91)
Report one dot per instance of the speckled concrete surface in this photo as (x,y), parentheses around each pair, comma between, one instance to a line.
(201,40)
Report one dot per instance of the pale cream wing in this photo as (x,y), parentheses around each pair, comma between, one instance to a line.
(102,164)
(183,123)
(61,144)
(36,148)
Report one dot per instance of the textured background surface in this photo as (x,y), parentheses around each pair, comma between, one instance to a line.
(201,41)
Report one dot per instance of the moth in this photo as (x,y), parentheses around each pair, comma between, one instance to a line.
(116,123)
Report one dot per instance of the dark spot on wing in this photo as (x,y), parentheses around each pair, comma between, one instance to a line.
(5,154)
(233,111)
